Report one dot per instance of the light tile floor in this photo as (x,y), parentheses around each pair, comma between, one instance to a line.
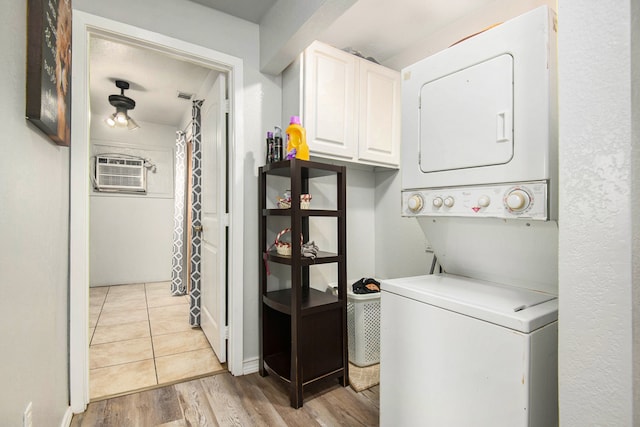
(140,338)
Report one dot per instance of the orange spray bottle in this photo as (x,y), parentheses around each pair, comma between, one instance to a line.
(297,138)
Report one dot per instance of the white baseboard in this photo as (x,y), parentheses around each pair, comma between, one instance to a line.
(66,420)
(250,366)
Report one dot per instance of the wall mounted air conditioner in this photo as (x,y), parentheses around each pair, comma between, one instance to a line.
(120,174)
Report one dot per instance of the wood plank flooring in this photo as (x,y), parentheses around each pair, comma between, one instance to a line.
(225,400)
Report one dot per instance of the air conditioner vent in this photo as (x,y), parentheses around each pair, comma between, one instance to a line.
(120,174)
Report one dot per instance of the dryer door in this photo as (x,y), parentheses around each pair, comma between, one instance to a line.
(466,117)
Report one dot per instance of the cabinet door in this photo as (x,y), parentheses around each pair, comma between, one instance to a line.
(379,114)
(329,98)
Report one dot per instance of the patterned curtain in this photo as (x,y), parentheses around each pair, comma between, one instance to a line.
(177,262)
(196,208)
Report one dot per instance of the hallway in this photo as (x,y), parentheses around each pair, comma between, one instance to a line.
(140,338)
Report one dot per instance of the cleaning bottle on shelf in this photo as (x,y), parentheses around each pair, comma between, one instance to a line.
(270,147)
(277,145)
(297,139)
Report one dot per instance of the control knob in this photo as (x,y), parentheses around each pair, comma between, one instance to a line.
(415,203)
(437,202)
(518,200)
(449,202)
(484,201)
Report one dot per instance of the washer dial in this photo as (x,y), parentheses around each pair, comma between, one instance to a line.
(415,203)
(517,200)
(437,202)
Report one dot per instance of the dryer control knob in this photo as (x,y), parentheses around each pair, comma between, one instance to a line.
(484,201)
(415,203)
(437,202)
(449,201)
(518,200)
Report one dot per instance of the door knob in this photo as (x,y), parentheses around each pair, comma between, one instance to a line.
(197,228)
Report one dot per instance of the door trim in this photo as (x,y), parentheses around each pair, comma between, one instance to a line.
(84,25)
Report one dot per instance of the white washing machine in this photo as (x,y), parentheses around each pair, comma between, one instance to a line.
(464,352)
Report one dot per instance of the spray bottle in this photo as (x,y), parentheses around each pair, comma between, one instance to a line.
(297,138)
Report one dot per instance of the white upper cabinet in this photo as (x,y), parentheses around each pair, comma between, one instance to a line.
(350,107)
(379,114)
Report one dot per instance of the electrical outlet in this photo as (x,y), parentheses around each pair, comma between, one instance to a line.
(27,417)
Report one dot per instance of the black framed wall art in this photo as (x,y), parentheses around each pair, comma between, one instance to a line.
(48,103)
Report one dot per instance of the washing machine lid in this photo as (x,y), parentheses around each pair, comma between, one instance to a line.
(516,308)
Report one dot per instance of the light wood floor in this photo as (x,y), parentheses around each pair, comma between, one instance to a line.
(224,400)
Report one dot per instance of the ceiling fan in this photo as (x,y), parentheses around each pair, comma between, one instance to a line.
(122,104)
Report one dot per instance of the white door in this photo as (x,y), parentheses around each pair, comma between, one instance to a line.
(214,190)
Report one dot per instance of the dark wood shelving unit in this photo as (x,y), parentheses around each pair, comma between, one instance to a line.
(303,331)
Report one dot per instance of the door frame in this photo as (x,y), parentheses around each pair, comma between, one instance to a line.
(85,25)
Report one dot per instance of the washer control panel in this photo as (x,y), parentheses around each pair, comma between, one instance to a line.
(518,200)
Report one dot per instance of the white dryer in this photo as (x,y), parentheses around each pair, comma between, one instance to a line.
(484,113)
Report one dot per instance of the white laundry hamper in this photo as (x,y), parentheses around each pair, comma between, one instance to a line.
(363,328)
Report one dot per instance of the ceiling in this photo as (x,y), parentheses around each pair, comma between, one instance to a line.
(250,10)
(383,28)
(375,28)
(155,80)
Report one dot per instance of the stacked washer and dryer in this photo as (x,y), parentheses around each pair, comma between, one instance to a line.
(476,345)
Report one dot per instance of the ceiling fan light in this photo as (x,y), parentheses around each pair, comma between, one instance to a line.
(110,121)
(121,117)
(132,125)
(122,104)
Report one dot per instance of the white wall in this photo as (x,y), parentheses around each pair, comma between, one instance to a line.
(400,243)
(635,203)
(191,22)
(597,199)
(34,215)
(476,20)
(131,235)
(361,244)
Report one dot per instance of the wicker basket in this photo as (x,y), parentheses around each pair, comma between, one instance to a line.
(285,203)
(305,201)
(284,248)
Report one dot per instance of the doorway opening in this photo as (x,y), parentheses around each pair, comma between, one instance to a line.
(140,336)
(85,26)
